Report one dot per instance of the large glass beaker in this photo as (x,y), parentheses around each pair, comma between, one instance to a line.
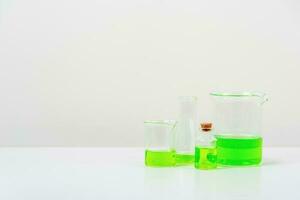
(237,119)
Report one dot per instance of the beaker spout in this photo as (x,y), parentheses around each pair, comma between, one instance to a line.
(264,99)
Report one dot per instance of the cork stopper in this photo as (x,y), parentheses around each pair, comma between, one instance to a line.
(206,127)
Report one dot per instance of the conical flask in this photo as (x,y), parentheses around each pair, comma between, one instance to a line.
(186,129)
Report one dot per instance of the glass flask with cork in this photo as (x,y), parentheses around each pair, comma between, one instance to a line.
(205,149)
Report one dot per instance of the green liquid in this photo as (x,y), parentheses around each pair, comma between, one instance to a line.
(205,157)
(159,158)
(239,150)
(184,159)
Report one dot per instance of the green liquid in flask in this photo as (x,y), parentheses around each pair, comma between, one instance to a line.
(205,157)
(234,150)
(159,158)
(184,159)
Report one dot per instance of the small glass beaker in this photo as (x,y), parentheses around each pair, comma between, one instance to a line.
(237,119)
(159,135)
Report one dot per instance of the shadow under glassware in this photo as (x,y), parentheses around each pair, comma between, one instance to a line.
(236,183)
(159,182)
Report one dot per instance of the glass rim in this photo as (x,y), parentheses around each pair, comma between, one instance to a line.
(237,94)
(161,122)
(188,98)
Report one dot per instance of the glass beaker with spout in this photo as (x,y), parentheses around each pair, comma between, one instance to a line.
(238,119)
(159,135)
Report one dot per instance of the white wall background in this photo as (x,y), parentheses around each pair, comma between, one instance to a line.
(88,72)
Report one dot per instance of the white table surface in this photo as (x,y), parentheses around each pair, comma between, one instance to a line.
(119,173)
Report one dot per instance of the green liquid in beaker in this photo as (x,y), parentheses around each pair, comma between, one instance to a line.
(205,157)
(239,150)
(159,158)
(184,159)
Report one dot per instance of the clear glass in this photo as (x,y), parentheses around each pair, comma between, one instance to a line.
(186,129)
(237,120)
(159,135)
